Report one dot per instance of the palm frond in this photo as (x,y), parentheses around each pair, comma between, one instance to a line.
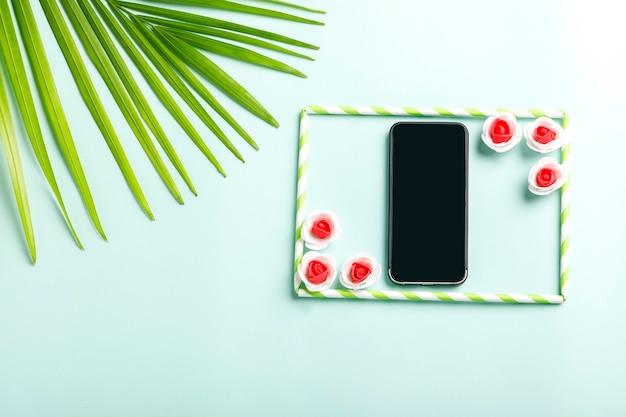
(11,152)
(167,46)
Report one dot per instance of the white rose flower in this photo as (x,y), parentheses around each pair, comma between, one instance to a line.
(546,176)
(360,271)
(544,135)
(319,229)
(501,132)
(317,271)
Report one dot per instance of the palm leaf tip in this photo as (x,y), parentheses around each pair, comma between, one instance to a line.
(11,53)
(11,152)
(293,5)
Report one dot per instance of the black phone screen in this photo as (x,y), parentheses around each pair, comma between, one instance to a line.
(428,203)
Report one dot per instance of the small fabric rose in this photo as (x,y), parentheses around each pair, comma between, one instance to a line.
(501,132)
(320,228)
(544,135)
(317,271)
(360,271)
(546,176)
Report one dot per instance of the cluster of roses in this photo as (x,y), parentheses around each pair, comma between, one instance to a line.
(318,270)
(502,132)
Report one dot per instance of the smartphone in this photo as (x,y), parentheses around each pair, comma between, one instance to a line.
(428,196)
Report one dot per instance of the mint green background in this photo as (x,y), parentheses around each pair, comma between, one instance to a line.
(514,236)
(194,315)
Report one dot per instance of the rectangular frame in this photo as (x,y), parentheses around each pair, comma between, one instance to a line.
(452,296)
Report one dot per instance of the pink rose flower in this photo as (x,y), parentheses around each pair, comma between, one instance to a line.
(320,228)
(360,271)
(501,132)
(546,176)
(544,135)
(317,271)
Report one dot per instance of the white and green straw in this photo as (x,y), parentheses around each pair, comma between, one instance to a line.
(472,297)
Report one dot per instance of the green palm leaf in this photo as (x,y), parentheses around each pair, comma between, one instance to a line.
(19,80)
(135,92)
(116,87)
(295,6)
(92,100)
(153,49)
(11,152)
(177,61)
(211,22)
(155,82)
(218,77)
(242,8)
(187,28)
(52,105)
(175,58)
(232,51)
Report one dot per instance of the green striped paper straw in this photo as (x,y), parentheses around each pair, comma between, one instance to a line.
(565,202)
(471,297)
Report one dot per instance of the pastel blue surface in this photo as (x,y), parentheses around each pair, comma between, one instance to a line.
(514,236)
(194,314)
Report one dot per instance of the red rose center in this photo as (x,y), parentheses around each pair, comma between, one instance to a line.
(500,131)
(322,228)
(317,272)
(545,177)
(544,135)
(360,270)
